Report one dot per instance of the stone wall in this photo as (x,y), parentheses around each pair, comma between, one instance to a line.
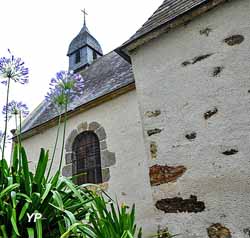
(193,87)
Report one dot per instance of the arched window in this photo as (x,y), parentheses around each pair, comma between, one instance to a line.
(87,162)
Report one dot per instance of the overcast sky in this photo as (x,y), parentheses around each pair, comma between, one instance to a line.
(40,31)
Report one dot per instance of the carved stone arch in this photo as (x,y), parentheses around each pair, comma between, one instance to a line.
(107,158)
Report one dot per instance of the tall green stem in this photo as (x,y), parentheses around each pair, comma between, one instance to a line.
(18,142)
(6,117)
(54,150)
(64,130)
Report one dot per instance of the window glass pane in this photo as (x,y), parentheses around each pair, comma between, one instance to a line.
(87,165)
(77,56)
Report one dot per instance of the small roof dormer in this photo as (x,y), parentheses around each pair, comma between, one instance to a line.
(83,49)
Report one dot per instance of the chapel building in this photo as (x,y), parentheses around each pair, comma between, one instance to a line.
(164,119)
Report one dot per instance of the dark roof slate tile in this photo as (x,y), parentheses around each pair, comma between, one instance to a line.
(168,11)
(105,75)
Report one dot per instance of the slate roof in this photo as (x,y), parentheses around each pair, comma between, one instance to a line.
(107,74)
(168,11)
(84,38)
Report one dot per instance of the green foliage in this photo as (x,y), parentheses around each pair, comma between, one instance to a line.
(113,223)
(67,209)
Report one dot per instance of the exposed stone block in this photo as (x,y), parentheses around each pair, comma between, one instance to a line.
(247,231)
(163,232)
(153,150)
(196,59)
(200,58)
(107,158)
(68,157)
(82,127)
(230,152)
(217,70)
(234,40)
(103,145)
(67,170)
(73,134)
(94,126)
(218,231)
(155,113)
(191,136)
(185,63)
(178,204)
(105,174)
(210,113)
(205,31)
(101,133)
(160,174)
(154,131)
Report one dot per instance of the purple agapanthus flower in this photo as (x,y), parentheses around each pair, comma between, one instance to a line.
(13,68)
(15,108)
(64,89)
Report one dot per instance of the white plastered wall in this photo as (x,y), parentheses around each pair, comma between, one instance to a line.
(119,117)
(183,94)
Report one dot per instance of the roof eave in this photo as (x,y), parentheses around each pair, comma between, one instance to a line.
(95,102)
(128,47)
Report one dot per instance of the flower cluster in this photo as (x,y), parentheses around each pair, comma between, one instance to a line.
(13,68)
(15,108)
(64,89)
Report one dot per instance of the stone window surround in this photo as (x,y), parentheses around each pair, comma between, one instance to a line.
(107,158)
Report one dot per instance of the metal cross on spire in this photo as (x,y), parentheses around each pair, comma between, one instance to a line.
(84,13)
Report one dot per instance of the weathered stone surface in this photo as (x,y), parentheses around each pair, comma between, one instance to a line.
(107,158)
(191,136)
(73,134)
(154,131)
(82,127)
(67,170)
(68,157)
(160,174)
(98,188)
(94,126)
(230,152)
(234,40)
(218,231)
(105,174)
(100,132)
(210,113)
(247,231)
(178,204)
(153,150)
(217,70)
(206,31)
(103,145)
(196,59)
(155,113)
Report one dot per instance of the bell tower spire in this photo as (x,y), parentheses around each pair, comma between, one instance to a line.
(84,49)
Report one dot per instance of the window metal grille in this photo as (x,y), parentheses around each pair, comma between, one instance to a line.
(87,159)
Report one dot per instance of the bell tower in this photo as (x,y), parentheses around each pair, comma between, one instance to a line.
(83,49)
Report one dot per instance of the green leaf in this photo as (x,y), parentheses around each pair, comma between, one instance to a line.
(8,189)
(3,230)
(13,221)
(26,171)
(41,167)
(23,211)
(31,233)
(39,229)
